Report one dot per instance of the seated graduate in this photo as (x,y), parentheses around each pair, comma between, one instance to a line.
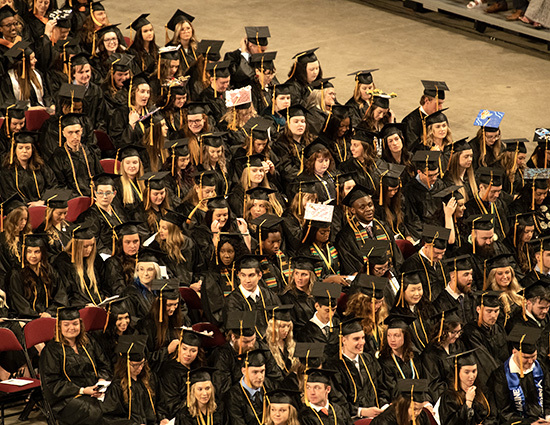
(156,202)
(174,373)
(14,122)
(131,394)
(280,337)
(520,388)
(72,367)
(80,268)
(464,403)
(324,325)
(250,296)
(308,355)
(358,373)
(247,399)
(55,225)
(282,407)
(202,404)
(540,261)
(319,167)
(162,322)
(120,267)
(180,181)
(408,406)
(536,307)
(129,186)
(35,289)
(318,409)
(520,240)
(194,204)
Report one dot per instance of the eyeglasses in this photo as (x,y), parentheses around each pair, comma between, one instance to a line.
(11,25)
(110,40)
(105,194)
(456,333)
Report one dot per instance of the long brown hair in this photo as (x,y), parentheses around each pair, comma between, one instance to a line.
(454,171)
(25,84)
(30,277)
(194,145)
(36,163)
(151,216)
(360,305)
(402,410)
(11,222)
(156,152)
(173,243)
(121,372)
(408,352)
(169,323)
(393,212)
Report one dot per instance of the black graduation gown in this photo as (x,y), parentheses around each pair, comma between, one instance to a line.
(242,409)
(304,308)
(392,374)
(64,372)
(420,206)
(453,411)
(241,72)
(414,129)
(217,284)
(357,111)
(466,309)
(79,181)
(8,260)
(93,105)
(432,276)
(327,255)
(336,415)
(156,357)
(8,96)
(261,99)
(421,328)
(316,119)
(140,299)
(108,340)
(71,282)
(359,388)
(216,103)
(288,153)
(298,91)
(313,333)
(25,184)
(172,393)
(492,348)
(144,60)
(516,318)
(122,134)
(42,300)
(219,416)
(102,224)
(292,230)
(115,279)
(186,269)
(114,407)
(366,176)
(388,417)
(476,206)
(503,405)
(57,239)
(438,368)
(236,301)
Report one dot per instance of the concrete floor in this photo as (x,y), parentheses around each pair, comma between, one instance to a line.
(354,36)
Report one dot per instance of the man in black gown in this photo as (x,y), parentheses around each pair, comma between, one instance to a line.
(541,259)
(537,304)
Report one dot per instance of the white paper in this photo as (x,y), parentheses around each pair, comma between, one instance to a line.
(108,300)
(319,212)
(104,256)
(385,406)
(150,240)
(172,421)
(17,382)
(104,385)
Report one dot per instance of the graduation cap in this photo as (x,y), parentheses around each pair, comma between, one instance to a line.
(14,110)
(382,100)
(320,376)
(96,6)
(257,129)
(170,52)
(490,176)
(149,255)
(437,117)
(498,261)
(522,219)
(459,263)
(375,253)
(364,76)
(191,337)
(436,236)
(489,299)
(461,145)
(202,374)
(370,285)
(120,62)
(515,145)
(249,261)
(392,176)
(316,146)
(129,151)
(426,160)
(105,179)
(114,308)
(18,51)
(281,90)
(132,346)
(449,192)
(155,181)
(196,108)
(448,315)
(241,323)
(409,277)
(524,339)
(341,111)
(26,137)
(217,202)
(356,193)
(260,193)
(141,21)
(72,91)
(351,326)
(305,262)
(435,89)
(257,35)
(306,56)
(6,12)
(466,358)
(415,389)
(306,351)
(168,288)
(326,294)
(56,198)
(13,202)
(210,49)
(69,313)
(481,222)
(104,30)
(399,321)
(253,358)
(82,58)
(35,240)
(488,121)
(283,396)
(266,223)
(214,140)
(180,16)
(264,60)
(363,135)
(322,83)
(71,119)
(294,111)
(174,217)
(540,244)
(280,312)
(205,178)
(391,129)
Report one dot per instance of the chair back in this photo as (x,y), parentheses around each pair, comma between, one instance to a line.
(34,118)
(77,206)
(217,339)
(36,215)
(94,318)
(39,330)
(8,341)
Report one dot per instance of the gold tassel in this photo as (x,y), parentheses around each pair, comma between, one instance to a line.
(521,372)
(456,373)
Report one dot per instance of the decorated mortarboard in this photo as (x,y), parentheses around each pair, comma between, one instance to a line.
(203,374)
(542,137)
(71,119)
(426,160)
(154,180)
(375,252)
(306,56)
(393,128)
(489,299)
(217,202)
(106,29)
(191,337)
(205,178)
(515,145)
(72,91)
(415,389)
(399,321)
(524,339)
(249,261)
(436,236)
(322,83)
(254,358)
(356,193)
(26,137)
(437,117)
(449,192)
(370,285)
(460,263)
(305,262)
(6,12)
(364,76)
(320,376)
(260,193)
(264,60)
(210,49)
(280,312)
(117,306)
(170,52)
(174,217)
(257,35)
(381,99)
(139,22)
(490,176)
(489,120)
(132,346)
(215,140)
(326,293)
(240,98)
(15,110)
(499,261)
(435,88)
(168,288)
(242,323)
(537,177)
(180,16)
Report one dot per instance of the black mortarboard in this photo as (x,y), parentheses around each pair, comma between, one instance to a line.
(426,160)
(448,315)
(178,147)
(435,88)
(524,338)
(96,6)
(6,12)
(392,176)
(283,396)
(351,326)
(259,127)
(305,262)
(498,261)
(322,83)
(449,192)
(267,222)
(241,322)
(309,350)
(263,60)
(35,240)
(410,277)
(344,177)
(168,288)
(170,52)
(104,30)
(82,58)
(306,56)
(219,69)
(536,289)
(466,358)
(69,313)
(356,193)
(524,219)
(205,178)
(10,204)
(254,160)
(217,202)
(127,228)
(129,151)
(154,180)
(461,145)
(399,321)
(174,218)
(257,35)
(210,49)
(253,358)
(118,306)
(191,337)
(203,374)
(540,244)
(372,286)
(363,135)
(56,198)
(132,346)
(341,111)
(141,21)
(83,232)
(481,222)
(364,77)
(72,91)
(393,128)
(15,110)
(249,261)
(436,117)
(326,293)
(513,145)
(281,312)
(26,137)
(260,193)
(320,376)
(149,255)
(375,251)
(490,176)
(294,111)
(316,146)
(177,17)
(195,108)
(105,179)
(415,389)
(121,62)
(281,90)
(489,299)
(462,262)
(381,100)
(438,236)
(71,119)
(308,186)
(215,139)
(137,80)
(17,51)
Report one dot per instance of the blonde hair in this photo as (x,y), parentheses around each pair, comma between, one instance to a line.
(172,244)
(206,159)
(289,343)
(295,204)
(193,406)
(11,222)
(292,417)
(509,296)
(273,201)
(237,118)
(82,265)
(292,284)
(250,203)
(155,265)
(430,137)
(127,191)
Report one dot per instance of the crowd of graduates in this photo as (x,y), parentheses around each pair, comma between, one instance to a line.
(264,253)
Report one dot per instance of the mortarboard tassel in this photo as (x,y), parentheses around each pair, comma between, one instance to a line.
(307,232)
(521,372)
(188,385)
(107,319)
(339,340)
(441,327)
(240,337)
(456,373)
(523,308)
(481,309)
(129,381)
(412,406)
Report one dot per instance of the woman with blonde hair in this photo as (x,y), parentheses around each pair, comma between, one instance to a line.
(130,189)
(156,201)
(294,220)
(196,125)
(512,161)
(14,226)
(362,95)
(280,338)
(319,103)
(184,36)
(501,277)
(460,170)
(71,369)
(55,224)
(194,205)
(214,159)
(235,120)
(281,409)
(79,268)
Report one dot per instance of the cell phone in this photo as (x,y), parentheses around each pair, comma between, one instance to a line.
(98,388)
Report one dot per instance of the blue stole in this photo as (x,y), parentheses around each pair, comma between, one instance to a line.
(516,392)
